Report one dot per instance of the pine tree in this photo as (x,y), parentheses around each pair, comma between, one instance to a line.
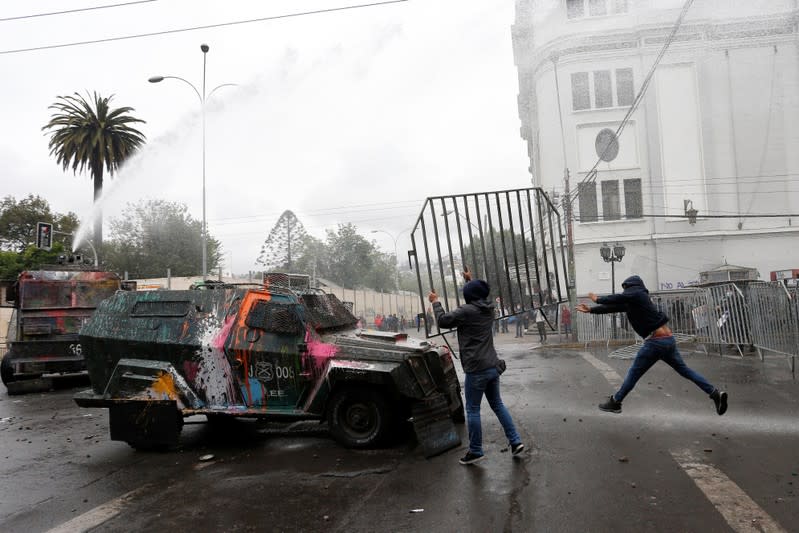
(284,243)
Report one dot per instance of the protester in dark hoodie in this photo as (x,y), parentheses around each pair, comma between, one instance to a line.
(474,321)
(659,343)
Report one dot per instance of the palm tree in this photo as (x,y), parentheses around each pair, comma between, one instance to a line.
(98,137)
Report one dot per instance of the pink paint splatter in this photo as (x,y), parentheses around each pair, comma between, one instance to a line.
(218,342)
(319,352)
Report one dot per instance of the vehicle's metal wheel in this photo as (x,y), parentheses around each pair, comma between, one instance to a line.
(6,371)
(359,417)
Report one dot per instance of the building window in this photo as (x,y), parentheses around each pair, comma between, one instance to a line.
(603,91)
(587,192)
(610,200)
(597,91)
(625,93)
(597,8)
(576,9)
(581,95)
(632,198)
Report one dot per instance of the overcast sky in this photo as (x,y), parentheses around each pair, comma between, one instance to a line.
(352,116)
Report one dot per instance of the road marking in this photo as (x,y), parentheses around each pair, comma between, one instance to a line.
(98,515)
(611,375)
(738,509)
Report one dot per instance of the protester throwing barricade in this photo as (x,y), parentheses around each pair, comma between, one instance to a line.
(482,366)
(659,343)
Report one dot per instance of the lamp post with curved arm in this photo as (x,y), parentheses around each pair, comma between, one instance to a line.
(203,99)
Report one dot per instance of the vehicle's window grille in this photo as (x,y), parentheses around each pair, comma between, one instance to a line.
(275,317)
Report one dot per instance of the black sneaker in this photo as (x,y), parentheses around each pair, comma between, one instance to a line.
(720,399)
(611,406)
(471,458)
(516,449)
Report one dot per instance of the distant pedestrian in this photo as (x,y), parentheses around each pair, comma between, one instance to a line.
(659,343)
(428,321)
(519,322)
(541,324)
(566,319)
(479,359)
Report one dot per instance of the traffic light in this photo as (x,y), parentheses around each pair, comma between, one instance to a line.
(44,235)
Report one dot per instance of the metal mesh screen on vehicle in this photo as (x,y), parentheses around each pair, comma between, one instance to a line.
(512,239)
(275,317)
(326,312)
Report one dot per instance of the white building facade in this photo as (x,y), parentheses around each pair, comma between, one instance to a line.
(717,130)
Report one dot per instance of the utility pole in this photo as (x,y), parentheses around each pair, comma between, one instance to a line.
(571,286)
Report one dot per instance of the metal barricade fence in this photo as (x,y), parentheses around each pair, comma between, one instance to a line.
(600,328)
(774,320)
(762,315)
(721,316)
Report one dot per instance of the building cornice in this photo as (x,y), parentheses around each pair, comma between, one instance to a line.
(764,232)
(579,46)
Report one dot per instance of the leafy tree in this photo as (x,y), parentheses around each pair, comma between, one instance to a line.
(284,244)
(381,277)
(351,256)
(152,236)
(313,258)
(92,135)
(12,263)
(18,221)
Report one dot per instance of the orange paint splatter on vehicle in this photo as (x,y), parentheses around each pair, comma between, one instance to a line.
(164,387)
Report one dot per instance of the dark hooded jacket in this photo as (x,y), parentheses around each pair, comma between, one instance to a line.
(644,317)
(475,321)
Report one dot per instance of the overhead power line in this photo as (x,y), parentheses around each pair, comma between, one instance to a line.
(79,10)
(206,27)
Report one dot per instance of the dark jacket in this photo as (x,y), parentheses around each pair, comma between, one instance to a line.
(474,321)
(644,317)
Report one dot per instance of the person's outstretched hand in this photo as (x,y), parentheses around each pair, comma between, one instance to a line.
(467,274)
(592,296)
(583,308)
(433,297)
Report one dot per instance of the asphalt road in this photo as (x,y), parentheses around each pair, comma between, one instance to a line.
(667,463)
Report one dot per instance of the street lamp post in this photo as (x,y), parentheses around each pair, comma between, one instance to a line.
(203,99)
(612,255)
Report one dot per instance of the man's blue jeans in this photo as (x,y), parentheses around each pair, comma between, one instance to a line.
(477,384)
(654,350)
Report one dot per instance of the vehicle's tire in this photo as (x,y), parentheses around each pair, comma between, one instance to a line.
(359,417)
(6,371)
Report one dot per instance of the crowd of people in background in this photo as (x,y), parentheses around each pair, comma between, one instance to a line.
(390,322)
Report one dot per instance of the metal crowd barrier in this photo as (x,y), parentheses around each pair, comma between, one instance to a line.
(763,316)
(513,239)
(601,328)
(775,320)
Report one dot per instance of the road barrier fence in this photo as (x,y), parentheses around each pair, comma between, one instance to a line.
(753,317)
